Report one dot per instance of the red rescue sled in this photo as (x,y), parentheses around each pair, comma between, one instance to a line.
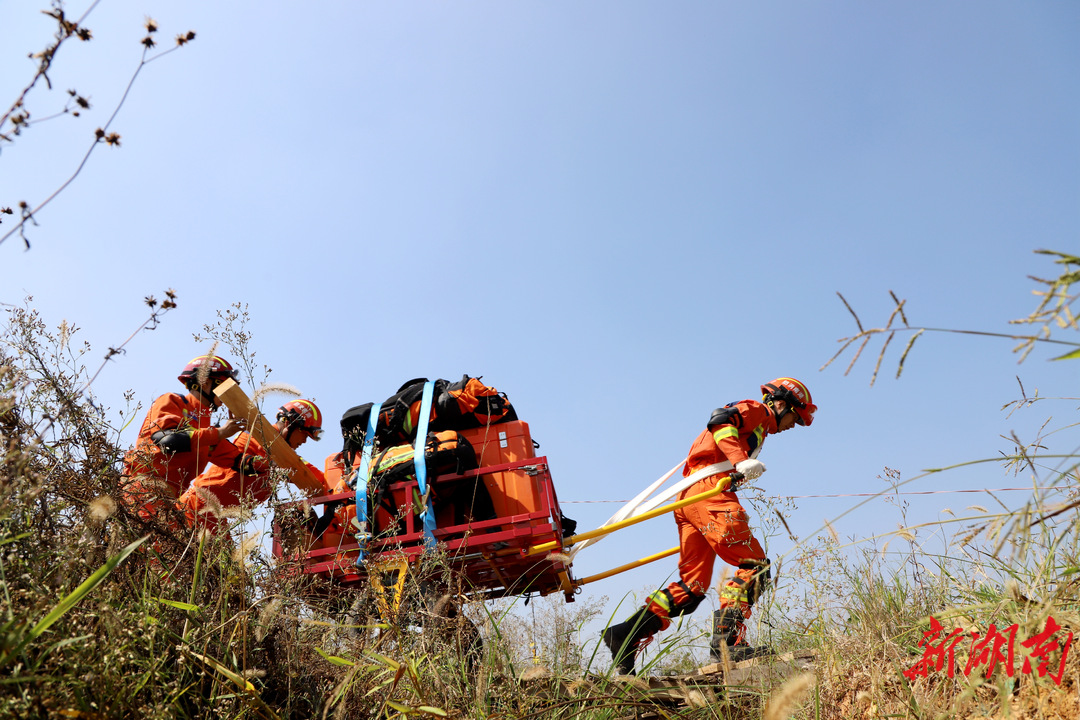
(493,557)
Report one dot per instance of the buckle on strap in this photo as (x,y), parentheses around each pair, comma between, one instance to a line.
(720,477)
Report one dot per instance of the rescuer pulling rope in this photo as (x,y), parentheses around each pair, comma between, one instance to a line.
(718,527)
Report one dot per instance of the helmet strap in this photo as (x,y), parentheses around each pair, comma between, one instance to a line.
(770,401)
(196,390)
(292,423)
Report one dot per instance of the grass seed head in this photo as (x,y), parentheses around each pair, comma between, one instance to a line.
(211,504)
(782,702)
(274,389)
(101,509)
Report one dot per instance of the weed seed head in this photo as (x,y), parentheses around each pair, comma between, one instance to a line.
(101,509)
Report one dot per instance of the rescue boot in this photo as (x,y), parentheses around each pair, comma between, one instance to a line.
(623,639)
(729,630)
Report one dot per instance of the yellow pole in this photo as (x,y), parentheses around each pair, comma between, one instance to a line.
(601,531)
(629,566)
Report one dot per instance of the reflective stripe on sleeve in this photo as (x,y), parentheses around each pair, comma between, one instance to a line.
(726,431)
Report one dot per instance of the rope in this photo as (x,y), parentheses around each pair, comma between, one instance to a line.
(847,495)
(642,505)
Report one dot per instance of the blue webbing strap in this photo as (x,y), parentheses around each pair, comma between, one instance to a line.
(363,475)
(427,517)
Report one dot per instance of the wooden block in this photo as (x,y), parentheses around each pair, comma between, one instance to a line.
(264,432)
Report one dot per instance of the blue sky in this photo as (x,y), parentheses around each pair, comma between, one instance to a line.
(622,214)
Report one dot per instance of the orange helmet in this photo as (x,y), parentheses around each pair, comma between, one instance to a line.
(217,369)
(795,394)
(303,415)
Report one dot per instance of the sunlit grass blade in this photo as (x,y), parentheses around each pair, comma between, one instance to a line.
(83,590)
(334,659)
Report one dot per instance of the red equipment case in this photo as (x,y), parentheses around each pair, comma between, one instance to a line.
(492,555)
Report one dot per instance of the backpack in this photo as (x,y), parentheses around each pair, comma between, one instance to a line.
(398,417)
(446,453)
(470,403)
(459,406)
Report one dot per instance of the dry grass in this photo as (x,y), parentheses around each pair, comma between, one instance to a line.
(189,626)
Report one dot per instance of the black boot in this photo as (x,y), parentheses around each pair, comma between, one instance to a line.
(727,629)
(622,639)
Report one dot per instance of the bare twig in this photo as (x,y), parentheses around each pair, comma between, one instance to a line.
(150,323)
(100,135)
(66,29)
(907,349)
(881,355)
(899,307)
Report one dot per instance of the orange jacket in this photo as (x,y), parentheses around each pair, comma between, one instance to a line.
(733,433)
(176,442)
(236,485)
(231,486)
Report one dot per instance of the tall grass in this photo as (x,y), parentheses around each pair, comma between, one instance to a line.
(105,615)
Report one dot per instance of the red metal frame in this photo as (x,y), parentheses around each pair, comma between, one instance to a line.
(492,556)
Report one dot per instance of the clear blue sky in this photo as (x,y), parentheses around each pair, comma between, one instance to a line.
(622,214)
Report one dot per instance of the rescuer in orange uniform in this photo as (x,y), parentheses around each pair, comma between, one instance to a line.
(718,526)
(176,440)
(248,481)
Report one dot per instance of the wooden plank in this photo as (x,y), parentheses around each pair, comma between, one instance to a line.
(742,685)
(797,657)
(234,398)
(705,686)
(765,673)
(692,691)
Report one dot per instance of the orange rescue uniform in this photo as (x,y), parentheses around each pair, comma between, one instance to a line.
(175,443)
(719,526)
(247,486)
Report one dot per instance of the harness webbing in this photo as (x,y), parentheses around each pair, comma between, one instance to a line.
(427,517)
(363,475)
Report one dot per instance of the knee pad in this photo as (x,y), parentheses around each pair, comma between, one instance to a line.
(761,579)
(727,620)
(689,605)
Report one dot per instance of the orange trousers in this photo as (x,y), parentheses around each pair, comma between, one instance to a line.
(717,527)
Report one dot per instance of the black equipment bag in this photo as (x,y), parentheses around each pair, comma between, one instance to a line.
(459,406)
